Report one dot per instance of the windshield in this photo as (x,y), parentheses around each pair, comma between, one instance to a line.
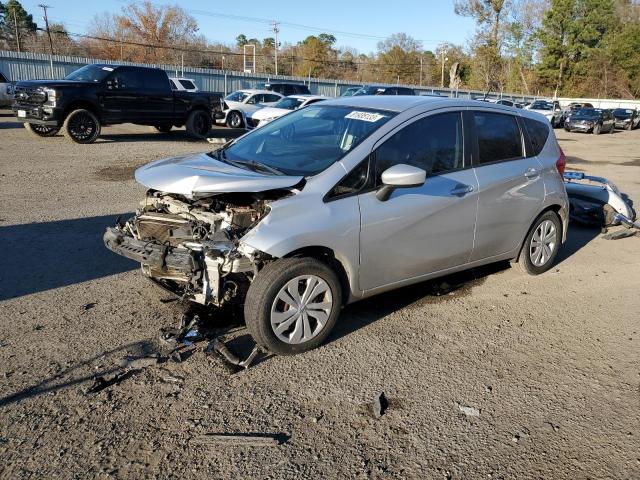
(369,91)
(289,103)
(542,106)
(237,96)
(90,73)
(306,141)
(587,112)
(621,112)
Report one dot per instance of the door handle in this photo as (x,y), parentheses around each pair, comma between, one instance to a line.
(531,173)
(461,190)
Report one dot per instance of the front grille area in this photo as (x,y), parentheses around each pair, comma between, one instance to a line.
(29,96)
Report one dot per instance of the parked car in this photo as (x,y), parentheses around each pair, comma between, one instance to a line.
(345,199)
(551,111)
(574,107)
(373,90)
(626,118)
(287,89)
(265,115)
(350,91)
(99,95)
(239,104)
(183,84)
(593,120)
(6,91)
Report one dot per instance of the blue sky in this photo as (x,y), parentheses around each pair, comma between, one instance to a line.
(431,21)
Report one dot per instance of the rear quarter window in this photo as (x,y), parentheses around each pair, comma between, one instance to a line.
(155,80)
(187,84)
(538,134)
(499,137)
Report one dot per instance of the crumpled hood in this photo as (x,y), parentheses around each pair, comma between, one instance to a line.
(198,175)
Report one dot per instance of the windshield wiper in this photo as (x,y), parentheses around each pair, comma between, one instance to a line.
(254,165)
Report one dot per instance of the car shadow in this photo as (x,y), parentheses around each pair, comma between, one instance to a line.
(578,237)
(46,255)
(9,125)
(172,136)
(454,286)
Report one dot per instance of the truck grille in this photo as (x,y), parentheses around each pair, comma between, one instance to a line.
(29,96)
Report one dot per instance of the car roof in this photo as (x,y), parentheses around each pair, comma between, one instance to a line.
(395,103)
(182,78)
(305,96)
(255,90)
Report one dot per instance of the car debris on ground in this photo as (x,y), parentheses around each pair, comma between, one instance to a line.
(248,439)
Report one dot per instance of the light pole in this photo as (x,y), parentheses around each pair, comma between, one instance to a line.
(275,31)
(444,59)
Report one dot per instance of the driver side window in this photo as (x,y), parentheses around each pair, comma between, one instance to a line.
(433,144)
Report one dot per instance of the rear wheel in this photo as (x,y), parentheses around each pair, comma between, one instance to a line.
(597,129)
(630,126)
(41,130)
(541,245)
(198,124)
(234,120)
(292,305)
(82,126)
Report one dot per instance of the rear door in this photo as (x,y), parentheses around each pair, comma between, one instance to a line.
(423,229)
(156,96)
(511,185)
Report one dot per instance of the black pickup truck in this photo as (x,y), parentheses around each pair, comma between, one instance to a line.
(98,95)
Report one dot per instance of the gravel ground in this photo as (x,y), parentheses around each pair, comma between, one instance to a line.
(505,376)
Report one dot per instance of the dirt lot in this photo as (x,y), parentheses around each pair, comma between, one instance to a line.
(549,365)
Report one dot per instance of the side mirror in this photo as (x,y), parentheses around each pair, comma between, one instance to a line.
(400,176)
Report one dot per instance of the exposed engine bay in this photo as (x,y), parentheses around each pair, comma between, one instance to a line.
(192,247)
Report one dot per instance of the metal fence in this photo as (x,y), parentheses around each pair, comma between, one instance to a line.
(24,66)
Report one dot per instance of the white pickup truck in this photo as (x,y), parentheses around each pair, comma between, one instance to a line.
(6,91)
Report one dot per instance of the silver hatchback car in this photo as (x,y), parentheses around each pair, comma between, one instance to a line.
(346,199)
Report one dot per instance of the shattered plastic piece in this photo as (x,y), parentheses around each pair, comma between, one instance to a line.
(379,405)
(617,235)
(468,411)
(228,356)
(248,439)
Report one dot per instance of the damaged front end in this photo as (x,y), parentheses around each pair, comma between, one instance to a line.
(193,247)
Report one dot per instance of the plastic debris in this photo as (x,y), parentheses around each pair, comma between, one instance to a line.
(248,439)
(379,405)
(468,410)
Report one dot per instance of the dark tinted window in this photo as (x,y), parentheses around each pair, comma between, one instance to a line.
(355,181)
(538,134)
(3,79)
(126,79)
(173,85)
(155,79)
(498,137)
(302,89)
(188,84)
(432,143)
(270,98)
(405,91)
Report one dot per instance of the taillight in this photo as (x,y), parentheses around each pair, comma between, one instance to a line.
(561,164)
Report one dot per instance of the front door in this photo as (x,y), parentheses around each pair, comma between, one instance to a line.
(121,100)
(425,229)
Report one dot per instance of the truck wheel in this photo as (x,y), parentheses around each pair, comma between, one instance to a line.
(292,305)
(82,126)
(234,120)
(198,124)
(541,245)
(41,130)
(597,129)
(163,128)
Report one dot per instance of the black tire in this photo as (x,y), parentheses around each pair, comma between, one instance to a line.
(629,127)
(82,126)
(597,129)
(262,296)
(198,124)
(163,128)
(41,130)
(234,120)
(524,260)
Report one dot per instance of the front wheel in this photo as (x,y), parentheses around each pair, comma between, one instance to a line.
(82,126)
(234,120)
(541,245)
(41,130)
(198,124)
(292,305)
(597,129)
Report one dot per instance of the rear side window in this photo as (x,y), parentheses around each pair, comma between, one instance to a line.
(538,134)
(499,137)
(173,85)
(270,98)
(432,143)
(188,84)
(3,79)
(127,79)
(302,89)
(155,80)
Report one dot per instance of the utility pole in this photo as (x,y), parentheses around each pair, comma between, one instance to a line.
(46,22)
(276,29)
(420,71)
(15,22)
(444,59)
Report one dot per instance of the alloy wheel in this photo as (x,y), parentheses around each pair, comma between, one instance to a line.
(543,243)
(82,126)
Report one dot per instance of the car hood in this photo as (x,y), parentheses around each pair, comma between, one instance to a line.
(52,83)
(269,112)
(199,175)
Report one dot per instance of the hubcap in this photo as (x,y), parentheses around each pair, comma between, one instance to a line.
(301,309)
(543,243)
(235,120)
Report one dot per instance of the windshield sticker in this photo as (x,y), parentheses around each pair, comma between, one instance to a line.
(108,69)
(365,116)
